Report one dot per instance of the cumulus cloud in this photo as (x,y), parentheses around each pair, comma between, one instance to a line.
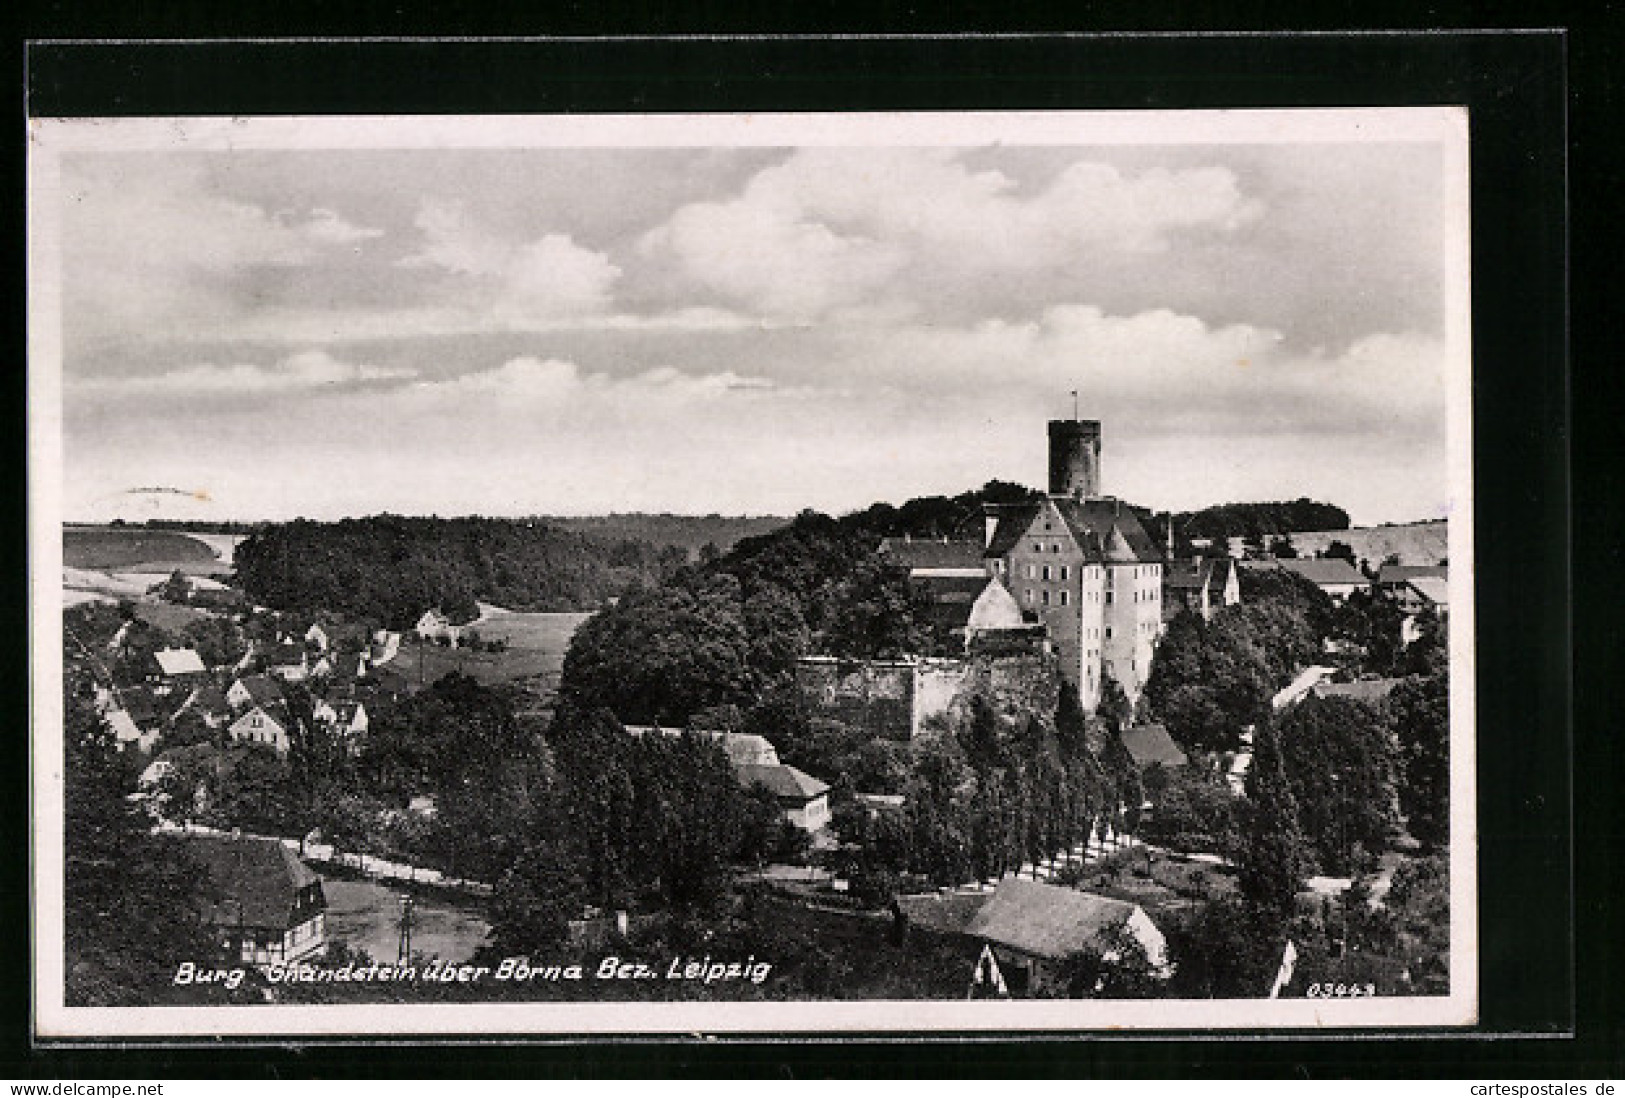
(833,228)
(548,277)
(327,227)
(149,249)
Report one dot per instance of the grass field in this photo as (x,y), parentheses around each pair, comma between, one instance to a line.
(536,647)
(128,549)
(367,915)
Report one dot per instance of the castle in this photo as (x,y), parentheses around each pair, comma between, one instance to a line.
(1073,572)
(1083,564)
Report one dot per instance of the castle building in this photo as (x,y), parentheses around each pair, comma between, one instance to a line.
(1083,564)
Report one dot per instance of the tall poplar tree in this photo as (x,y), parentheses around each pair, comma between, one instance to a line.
(1273,860)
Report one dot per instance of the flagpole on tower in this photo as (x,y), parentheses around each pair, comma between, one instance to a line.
(1074,404)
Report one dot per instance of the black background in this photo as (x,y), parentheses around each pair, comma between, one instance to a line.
(1549,949)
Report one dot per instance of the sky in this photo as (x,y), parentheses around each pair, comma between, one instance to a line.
(747,330)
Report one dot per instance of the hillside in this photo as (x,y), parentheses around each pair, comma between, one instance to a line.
(691,533)
(389,569)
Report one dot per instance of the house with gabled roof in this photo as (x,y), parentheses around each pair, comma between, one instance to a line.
(317,637)
(264,903)
(252,690)
(209,703)
(803,799)
(264,727)
(1150,745)
(1392,578)
(127,733)
(1201,586)
(1335,576)
(1034,929)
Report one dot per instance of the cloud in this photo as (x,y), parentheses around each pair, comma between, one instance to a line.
(834,228)
(327,227)
(151,248)
(545,278)
(310,370)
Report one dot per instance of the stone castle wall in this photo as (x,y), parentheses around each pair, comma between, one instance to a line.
(901,699)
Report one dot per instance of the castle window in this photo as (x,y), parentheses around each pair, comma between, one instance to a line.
(1045,596)
(1046,571)
(1108,598)
(1063,598)
(1108,632)
(1065,571)
(1029,596)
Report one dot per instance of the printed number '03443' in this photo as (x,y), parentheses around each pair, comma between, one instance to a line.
(1342,991)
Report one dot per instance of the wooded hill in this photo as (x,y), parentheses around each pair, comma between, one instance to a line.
(389,569)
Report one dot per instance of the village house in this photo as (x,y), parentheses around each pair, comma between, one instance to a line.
(1150,745)
(1369,691)
(269,907)
(172,668)
(262,727)
(1335,576)
(1199,586)
(1422,593)
(253,690)
(288,661)
(742,748)
(209,703)
(127,733)
(435,626)
(1035,929)
(1392,579)
(803,799)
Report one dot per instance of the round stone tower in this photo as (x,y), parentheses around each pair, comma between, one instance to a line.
(1074,458)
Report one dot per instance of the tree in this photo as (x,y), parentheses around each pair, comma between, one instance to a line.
(1195,811)
(1273,861)
(132,902)
(876,614)
(1339,550)
(1339,757)
(176,588)
(1419,902)
(1420,711)
(535,900)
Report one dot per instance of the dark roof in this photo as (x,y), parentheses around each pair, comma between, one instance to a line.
(1014,521)
(258,880)
(941,913)
(933,553)
(1089,521)
(1099,516)
(1150,743)
(138,702)
(1185,574)
(208,698)
(1400,573)
(285,655)
(1325,571)
(1366,690)
(1043,920)
(262,689)
(784,782)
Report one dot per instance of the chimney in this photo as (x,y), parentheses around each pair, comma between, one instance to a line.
(1074,458)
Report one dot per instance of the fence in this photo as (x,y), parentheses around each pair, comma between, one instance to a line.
(366,864)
